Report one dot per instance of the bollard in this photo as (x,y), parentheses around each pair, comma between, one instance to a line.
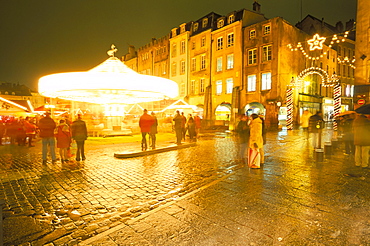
(328,148)
(1,223)
(319,154)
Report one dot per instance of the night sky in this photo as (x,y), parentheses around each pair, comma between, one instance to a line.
(41,37)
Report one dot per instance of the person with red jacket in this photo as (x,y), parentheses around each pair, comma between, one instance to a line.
(145,123)
(47,126)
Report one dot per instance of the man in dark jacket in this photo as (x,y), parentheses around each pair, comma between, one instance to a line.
(79,134)
(47,126)
(361,130)
(315,126)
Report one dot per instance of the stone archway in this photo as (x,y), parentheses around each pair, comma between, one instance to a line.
(254,108)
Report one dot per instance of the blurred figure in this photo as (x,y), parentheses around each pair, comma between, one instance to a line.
(63,136)
(361,130)
(145,123)
(198,125)
(256,138)
(191,128)
(183,126)
(2,132)
(79,134)
(242,130)
(304,121)
(153,130)
(30,129)
(47,126)
(315,126)
(21,132)
(348,137)
(178,127)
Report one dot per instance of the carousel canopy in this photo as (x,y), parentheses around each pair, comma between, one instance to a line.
(110,82)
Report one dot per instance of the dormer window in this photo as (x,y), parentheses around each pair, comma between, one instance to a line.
(231,19)
(205,22)
(266,29)
(195,27)
(182,29)
(220,23)
(174,32)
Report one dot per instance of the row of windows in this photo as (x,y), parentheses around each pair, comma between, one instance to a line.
(195,87)
(220,22)
(229,63)
(266,54)
(229,41)
(266,82)
(229,86)
(266,30)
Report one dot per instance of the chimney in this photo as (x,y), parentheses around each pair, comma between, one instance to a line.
(256,7)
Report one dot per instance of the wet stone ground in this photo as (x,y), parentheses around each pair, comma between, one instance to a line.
(195,196)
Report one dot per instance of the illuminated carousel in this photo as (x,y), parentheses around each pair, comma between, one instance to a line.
(111,86)
(110,82)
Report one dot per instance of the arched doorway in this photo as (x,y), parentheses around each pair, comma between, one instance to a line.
(254,108)
(223,112)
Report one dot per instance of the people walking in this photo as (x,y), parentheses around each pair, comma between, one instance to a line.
(2,132)
(145,123)
(183,126)
(348,136)
(361,130)
(242,130)
(178,127)
(63,137)
(198,125)
(256,138)
(79,134)
(315,126)
(304,121)
(191,128)
(153,131)
(47,126)
(30,129)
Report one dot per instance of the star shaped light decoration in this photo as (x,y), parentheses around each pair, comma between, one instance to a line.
(316,42)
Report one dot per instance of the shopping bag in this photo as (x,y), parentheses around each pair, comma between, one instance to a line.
(72,150)
(254,158)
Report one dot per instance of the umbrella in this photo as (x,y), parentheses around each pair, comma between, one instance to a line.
(364,109)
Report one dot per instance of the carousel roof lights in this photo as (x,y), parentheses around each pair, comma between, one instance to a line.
(110,82)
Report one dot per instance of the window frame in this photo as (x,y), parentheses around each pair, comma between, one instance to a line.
(229,89)
(218,87)
(252,83)
(230,62)
(230,39)
(267,54)
(220,43)
(252,56)
(219,64)
(266,84)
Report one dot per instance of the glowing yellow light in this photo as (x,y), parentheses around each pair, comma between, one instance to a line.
(316,42)
(110,82)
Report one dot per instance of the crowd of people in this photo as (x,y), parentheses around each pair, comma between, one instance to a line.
(182,125)
(23,132)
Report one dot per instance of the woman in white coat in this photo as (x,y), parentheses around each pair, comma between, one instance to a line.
(255,138)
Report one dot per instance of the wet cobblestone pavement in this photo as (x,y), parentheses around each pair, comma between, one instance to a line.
(194,196)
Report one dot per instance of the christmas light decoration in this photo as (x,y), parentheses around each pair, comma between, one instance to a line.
(316,42)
